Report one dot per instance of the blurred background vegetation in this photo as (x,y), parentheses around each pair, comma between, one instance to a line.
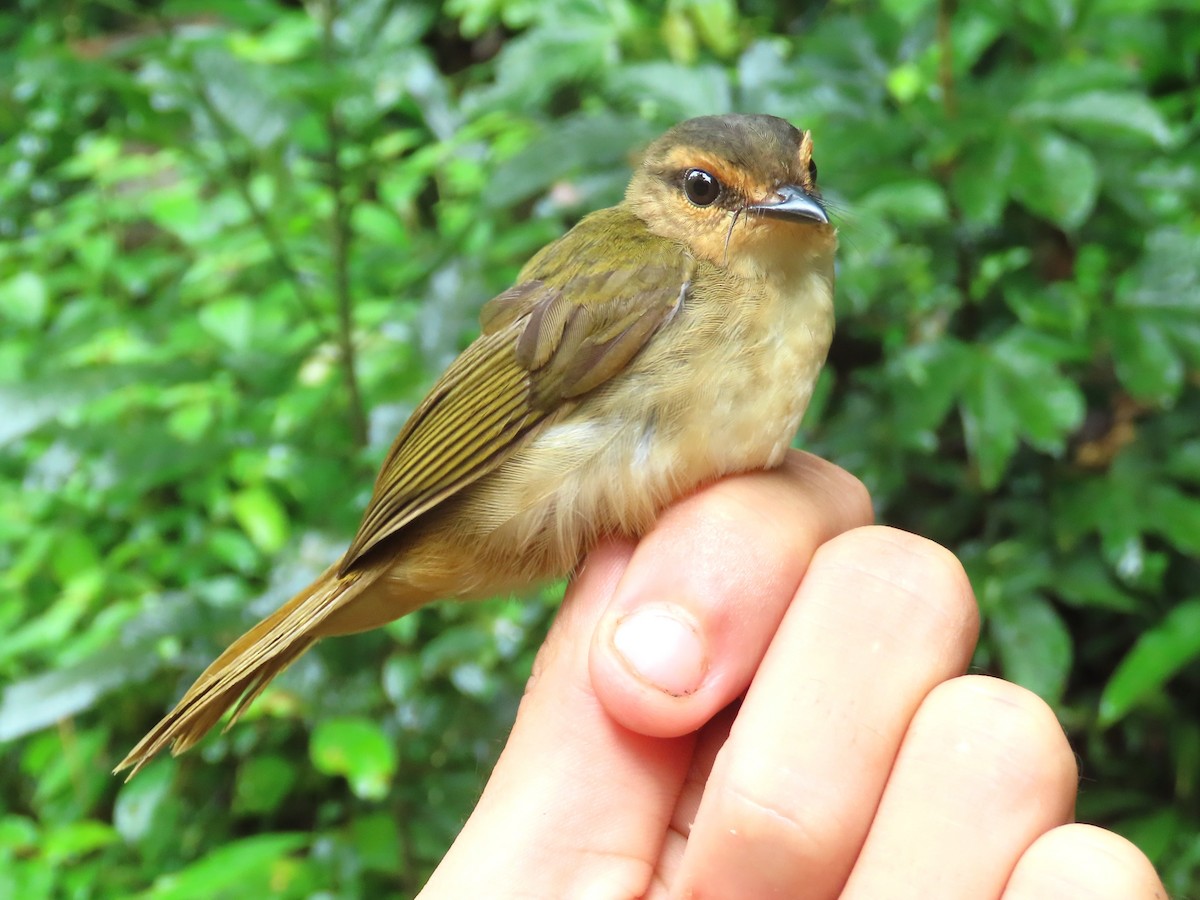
(238,239)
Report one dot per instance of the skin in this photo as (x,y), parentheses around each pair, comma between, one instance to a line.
(654,348)
(860,762)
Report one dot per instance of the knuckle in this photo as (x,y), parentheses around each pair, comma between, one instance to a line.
(776,807)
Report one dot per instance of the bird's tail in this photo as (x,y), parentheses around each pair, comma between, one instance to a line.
(242,672)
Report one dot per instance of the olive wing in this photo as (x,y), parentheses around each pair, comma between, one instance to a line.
(558,334)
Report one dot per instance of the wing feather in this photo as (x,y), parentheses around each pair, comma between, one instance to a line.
(582,310)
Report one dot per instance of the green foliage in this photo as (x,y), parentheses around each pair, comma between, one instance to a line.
(239,239)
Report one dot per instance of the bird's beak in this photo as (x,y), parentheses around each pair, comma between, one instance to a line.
(791,202)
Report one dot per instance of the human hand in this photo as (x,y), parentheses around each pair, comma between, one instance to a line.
(861,762)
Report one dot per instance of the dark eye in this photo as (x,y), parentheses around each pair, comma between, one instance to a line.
(701,188)
(812,171)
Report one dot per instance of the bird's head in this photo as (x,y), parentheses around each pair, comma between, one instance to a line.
(739,191)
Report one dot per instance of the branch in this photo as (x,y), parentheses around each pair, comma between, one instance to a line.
(238,177)
(341,236)
(963,260)
(946,57)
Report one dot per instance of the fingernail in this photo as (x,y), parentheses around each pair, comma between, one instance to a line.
(661,646)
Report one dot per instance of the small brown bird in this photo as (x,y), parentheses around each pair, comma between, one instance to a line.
(658,345)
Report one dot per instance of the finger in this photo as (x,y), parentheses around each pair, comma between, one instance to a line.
(880,619)
(706,588)
(670,859)
(1082,862)
(984,770)
(577,805)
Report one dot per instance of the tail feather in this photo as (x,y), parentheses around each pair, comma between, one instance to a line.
(241,673)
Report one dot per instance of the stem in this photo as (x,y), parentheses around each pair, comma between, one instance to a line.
(70,745)
(238,176)
(340,237)
(946,57)
(963,262)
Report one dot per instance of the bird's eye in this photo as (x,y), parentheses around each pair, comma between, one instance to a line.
(701,187)
(812,171)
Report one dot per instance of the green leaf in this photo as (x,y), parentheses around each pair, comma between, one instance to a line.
(1146,359)
(244,868)
(989,422)
(33,403)
(285,39)
(1165,277)
(914,202)
(454,645)
(906,12)
(24,299)
(74,556)
(1101,113)
(933,375)
(17,833)
(139,801)
(262,783)
(373,222)
(230,320)
(29,406)
(1054,15)
(1048,407)
(44,699)
(233,548)
(77,839)
(1174,515)
(243,96)
(1155,832)
(262,517)
(679,35)
(375,839)
(1184,463)
(1056,178)
(541,60)
(574,145)
(1155,327)
(1081,582)
(1034,644)
(682,91)
(1157,656)
(1013,390)
(981,178)
(357,749)
(996,268)
(716,22)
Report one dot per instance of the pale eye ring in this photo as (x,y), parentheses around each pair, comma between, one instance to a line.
(701,188)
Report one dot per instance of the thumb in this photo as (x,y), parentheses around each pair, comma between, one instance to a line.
(577,805)
(705,590)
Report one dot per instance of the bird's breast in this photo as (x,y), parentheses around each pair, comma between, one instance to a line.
(720,389)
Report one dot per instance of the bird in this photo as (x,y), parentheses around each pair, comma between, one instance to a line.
(657,346)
